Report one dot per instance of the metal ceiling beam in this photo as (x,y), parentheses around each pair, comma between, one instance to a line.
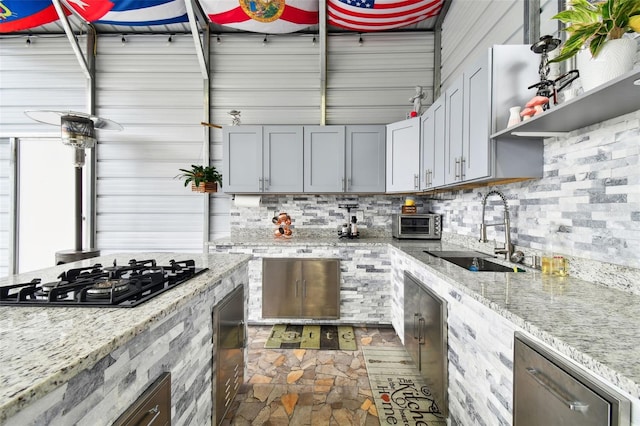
(437,45)
(322,21)
(72,39)
(195,32)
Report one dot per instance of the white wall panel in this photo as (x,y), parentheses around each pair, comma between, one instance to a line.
(371,83)
(45,75)
(5,206)
(472,26)
(155,90)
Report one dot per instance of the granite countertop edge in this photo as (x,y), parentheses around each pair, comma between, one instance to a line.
(603,363)
(21,395)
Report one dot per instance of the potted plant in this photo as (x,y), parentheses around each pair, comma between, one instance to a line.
(600,26)
(201,178)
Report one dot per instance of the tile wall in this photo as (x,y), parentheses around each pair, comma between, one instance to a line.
(587,205)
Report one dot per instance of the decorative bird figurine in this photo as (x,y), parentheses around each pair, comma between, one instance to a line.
(236,117)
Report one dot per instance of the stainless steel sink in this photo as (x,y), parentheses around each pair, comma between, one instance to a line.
(473,261)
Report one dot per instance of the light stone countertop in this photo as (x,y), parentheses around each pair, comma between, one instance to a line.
(42,348)
(593,325)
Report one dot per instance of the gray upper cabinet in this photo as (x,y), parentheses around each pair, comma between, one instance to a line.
(242,158)
(262,159)
(282,159)
(454,107)
(432,142)
(403,155)
(324,159)
(475,162)
(365,162)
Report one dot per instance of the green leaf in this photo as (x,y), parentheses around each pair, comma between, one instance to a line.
(596,44)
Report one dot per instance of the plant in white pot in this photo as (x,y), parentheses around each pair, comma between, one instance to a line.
(596,33)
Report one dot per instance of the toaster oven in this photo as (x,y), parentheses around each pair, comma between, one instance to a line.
(416,226)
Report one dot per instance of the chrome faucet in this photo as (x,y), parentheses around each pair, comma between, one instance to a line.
(507,250)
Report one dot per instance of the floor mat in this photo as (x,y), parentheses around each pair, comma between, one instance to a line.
(400,393)
(287,336)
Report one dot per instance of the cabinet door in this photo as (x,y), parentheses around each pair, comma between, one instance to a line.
(411,317)
(432,139)
(282,162)
(365,158)
(432,339)
(403,155)
(454,105)
(242,158)
(320,288)
(476,119)
(324,152)
(281,288)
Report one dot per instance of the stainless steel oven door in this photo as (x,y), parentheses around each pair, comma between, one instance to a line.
(548,390)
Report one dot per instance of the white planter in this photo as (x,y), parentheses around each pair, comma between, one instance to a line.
(615,59)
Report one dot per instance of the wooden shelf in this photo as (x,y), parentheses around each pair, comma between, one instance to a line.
(615,98)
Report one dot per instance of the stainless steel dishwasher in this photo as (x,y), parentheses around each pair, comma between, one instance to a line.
(548,390)
(301,288)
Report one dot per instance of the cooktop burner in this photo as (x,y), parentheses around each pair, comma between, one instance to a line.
(104,287)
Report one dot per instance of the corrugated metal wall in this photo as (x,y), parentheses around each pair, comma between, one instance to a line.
(278,82)
(156,91)
(472,26)
(5,205)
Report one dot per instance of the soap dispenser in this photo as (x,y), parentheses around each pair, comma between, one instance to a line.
(354,227)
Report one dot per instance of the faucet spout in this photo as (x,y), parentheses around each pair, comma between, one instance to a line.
(507,250)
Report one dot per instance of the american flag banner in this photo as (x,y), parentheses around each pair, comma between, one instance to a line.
(379,15)
(263,16)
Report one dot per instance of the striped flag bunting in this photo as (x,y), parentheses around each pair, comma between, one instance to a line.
(379,15)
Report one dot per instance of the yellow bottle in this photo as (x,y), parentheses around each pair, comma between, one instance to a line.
(547,264)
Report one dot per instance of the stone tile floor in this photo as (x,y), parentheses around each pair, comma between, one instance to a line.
(305,386)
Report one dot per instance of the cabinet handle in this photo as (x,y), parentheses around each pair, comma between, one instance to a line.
(156,411)
(415,326)
(421,323)
(463,161)
(348,188)
(260,184)
(426,178)
(555,390)
(457,175)
(343,185)
(266,184)
(430,177)
(416,181)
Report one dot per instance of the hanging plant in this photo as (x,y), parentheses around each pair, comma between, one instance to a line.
(201,178)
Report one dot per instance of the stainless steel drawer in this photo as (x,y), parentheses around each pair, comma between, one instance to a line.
(548,390)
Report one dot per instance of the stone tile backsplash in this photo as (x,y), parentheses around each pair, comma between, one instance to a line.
(586,206)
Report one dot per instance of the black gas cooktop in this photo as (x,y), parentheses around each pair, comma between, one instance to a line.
(97,286)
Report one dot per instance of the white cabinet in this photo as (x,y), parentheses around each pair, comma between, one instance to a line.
(456,144)
(262,159)
(403,155)
(432,142)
